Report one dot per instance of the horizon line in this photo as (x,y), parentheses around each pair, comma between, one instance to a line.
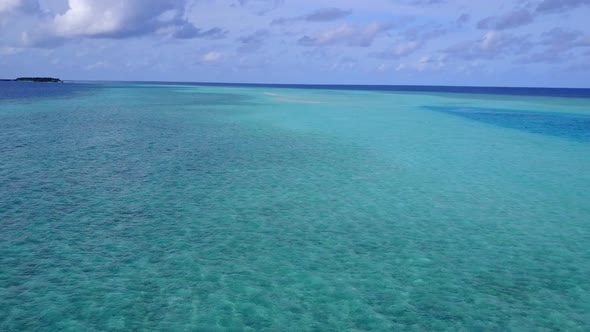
(330,84)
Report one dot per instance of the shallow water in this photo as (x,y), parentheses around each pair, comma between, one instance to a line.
(138,207)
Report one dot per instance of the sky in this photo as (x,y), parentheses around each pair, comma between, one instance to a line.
(397,42)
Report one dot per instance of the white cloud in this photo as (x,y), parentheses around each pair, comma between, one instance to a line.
(405,48)
(8,5)
(115,18)
(332,36)
(211,57)
(400,50)
(493,45)
(347,34)
(491,40)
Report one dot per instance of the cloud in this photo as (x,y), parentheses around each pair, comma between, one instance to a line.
(40,38)
(282,20)
(212,57)
(188,31)
(399,51)
(112,19)
(510,20)
(558,45)
(496,42)
(463,19)
(117,18)
(253,41)
(5,50)
(319,15)
(542,57)
(25,6)
(493,45)
(326,14)
(548,6)
(426,32)
(16,18)
(560,40)
(348,35)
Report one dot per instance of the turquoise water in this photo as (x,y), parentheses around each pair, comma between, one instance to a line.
(179,208)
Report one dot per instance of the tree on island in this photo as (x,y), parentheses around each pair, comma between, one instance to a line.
(39,79)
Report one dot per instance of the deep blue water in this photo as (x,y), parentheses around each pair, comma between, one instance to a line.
(509,91)
(34,90)
(566,125)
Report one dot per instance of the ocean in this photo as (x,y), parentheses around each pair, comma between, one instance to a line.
(181,207)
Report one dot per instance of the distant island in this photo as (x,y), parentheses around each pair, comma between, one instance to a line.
(39,79)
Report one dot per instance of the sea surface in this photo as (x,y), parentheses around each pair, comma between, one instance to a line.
(175,207)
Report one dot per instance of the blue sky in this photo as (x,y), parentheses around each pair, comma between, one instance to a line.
(438,42)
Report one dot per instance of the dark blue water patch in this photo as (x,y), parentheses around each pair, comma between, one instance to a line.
(510,91)
(564,125)
(10,90)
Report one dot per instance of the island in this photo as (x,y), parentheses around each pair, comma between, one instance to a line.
(39,79)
